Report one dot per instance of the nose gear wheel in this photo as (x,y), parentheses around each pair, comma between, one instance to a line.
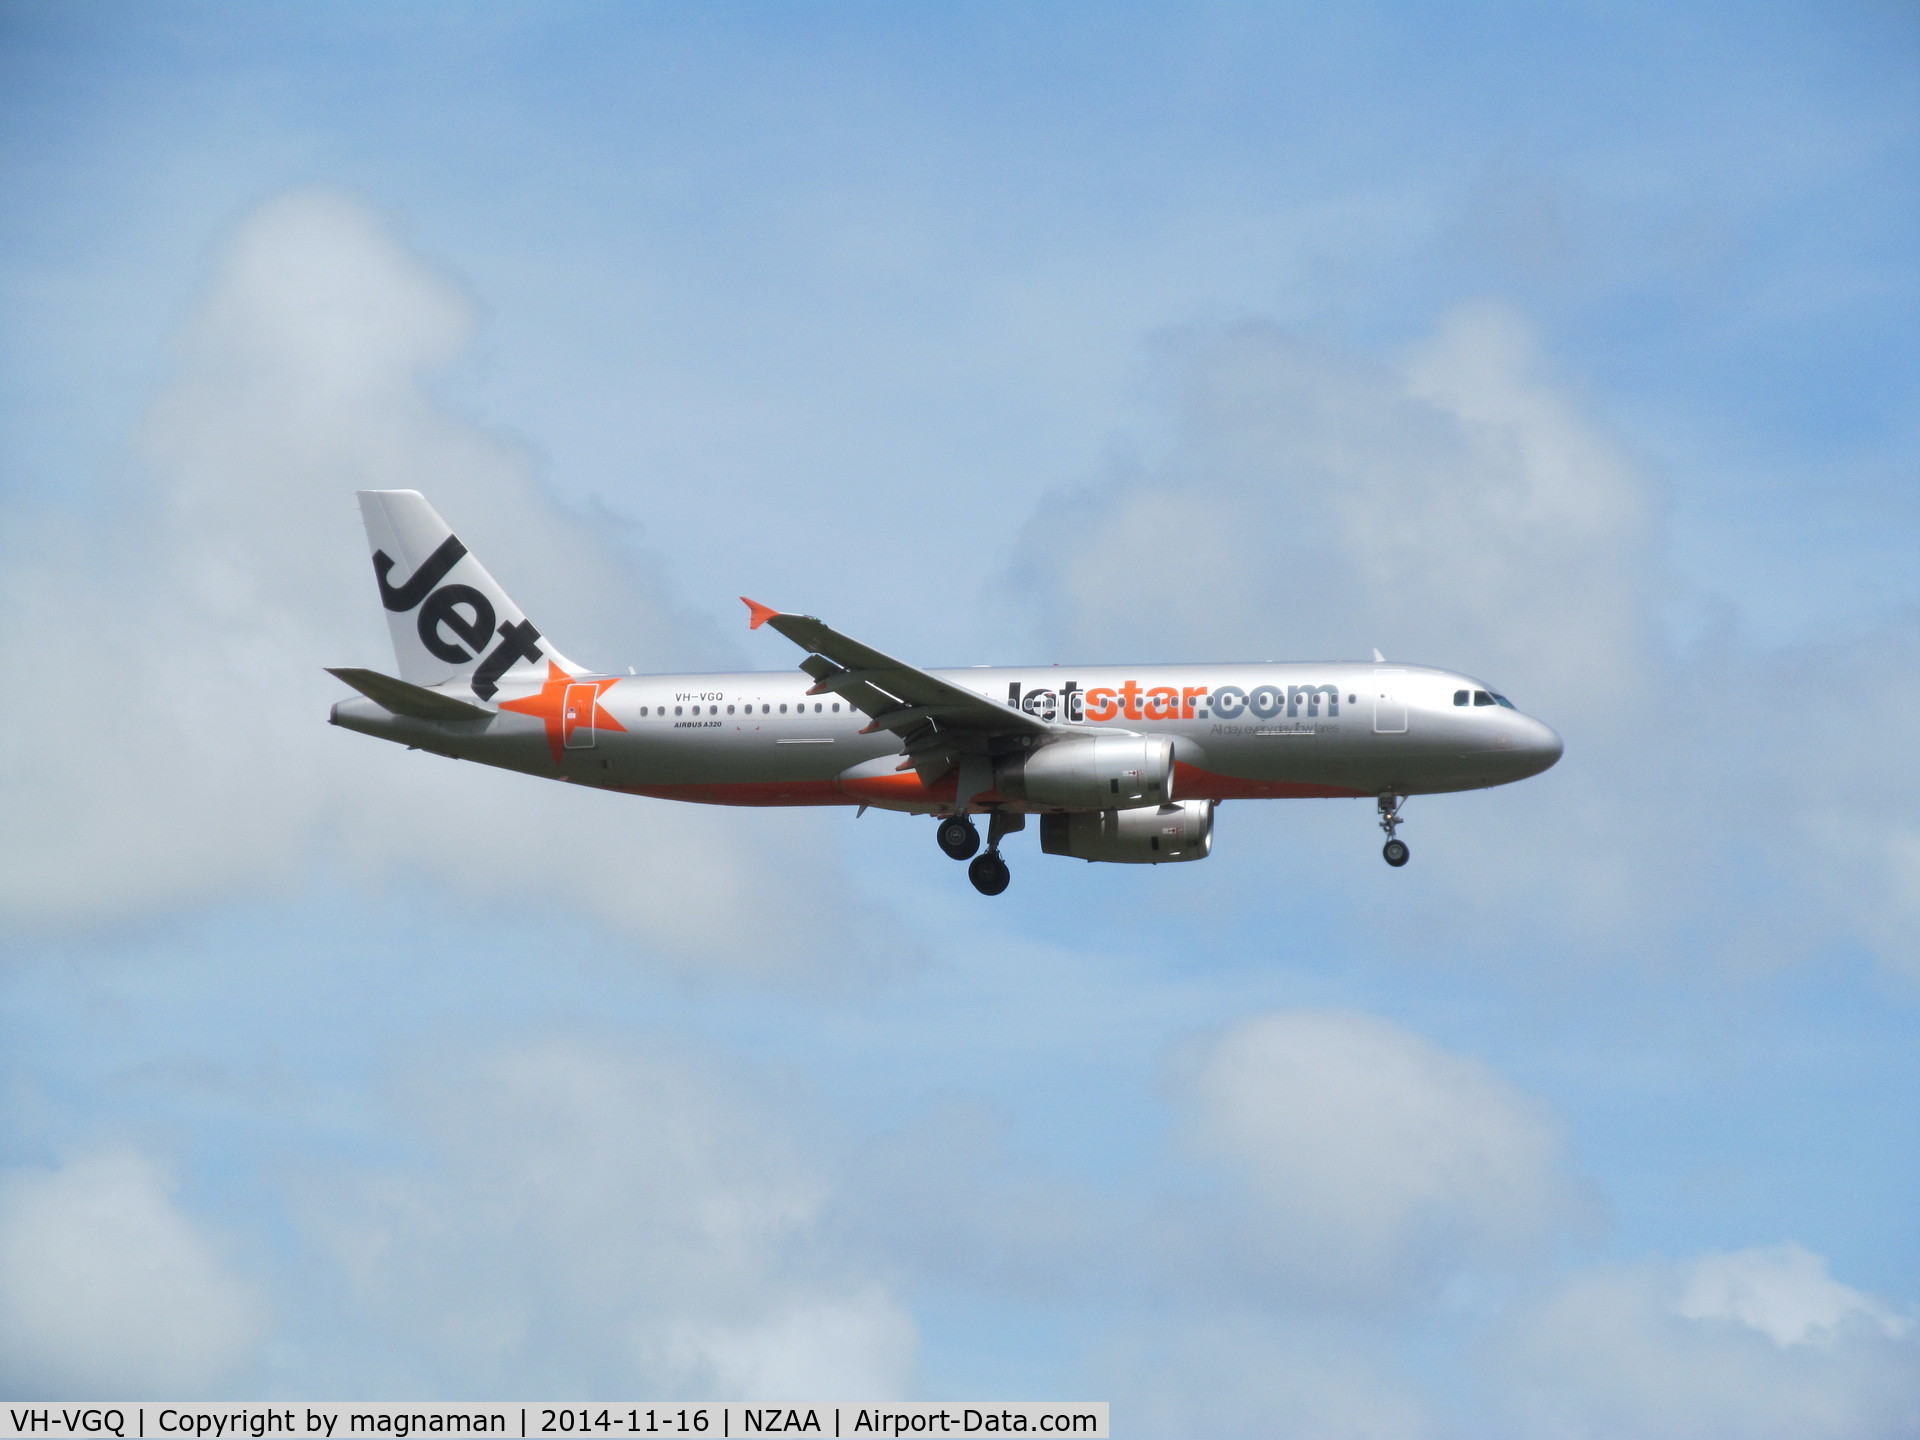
(1395,851)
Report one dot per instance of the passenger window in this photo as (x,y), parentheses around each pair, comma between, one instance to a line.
(816,707)
(678,710)
(766,709)
(783,709)
(729,709)
(1480,697)
(1459,697)
(836,707)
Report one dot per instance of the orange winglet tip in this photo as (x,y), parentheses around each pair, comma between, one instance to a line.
(761,613)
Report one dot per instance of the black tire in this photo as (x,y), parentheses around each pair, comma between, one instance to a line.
(957,837)
(989,873)
(1396,853)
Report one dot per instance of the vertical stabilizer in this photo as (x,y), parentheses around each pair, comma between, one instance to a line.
(452,624)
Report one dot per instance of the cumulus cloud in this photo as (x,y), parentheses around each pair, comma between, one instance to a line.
(1753,1344)
(601,1222)
(1783,1291)
(1377,1187)
(1346,1166)
(106,1288)
(1460,506)
(1370,1157)
(202,605)
(1453,509)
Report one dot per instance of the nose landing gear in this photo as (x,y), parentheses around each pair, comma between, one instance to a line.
(1395,850)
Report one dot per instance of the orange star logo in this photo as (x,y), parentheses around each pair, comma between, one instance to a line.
(567,704)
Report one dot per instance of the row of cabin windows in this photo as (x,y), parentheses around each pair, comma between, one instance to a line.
(645,710)
(1460,697)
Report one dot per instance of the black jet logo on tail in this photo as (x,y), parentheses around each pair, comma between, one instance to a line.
(460,609)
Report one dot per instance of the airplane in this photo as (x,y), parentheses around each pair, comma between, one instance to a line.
(1117,763)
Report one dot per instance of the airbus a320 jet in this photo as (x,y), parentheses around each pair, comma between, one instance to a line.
(1123,764)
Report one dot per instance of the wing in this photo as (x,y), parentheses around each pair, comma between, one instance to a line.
(938,723)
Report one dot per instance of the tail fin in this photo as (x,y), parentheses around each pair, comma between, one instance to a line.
(450,619)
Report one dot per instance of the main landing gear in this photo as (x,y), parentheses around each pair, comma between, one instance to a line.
(958,838)
(989,873)
(1395,850)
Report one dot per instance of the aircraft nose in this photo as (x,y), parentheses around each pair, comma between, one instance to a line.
(1541,744)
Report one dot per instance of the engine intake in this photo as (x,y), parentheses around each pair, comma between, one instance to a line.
(1132,837)
(1100,772)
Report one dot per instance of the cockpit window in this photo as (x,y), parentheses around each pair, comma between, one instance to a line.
(1481,697)
(1502,700)
(1459,697)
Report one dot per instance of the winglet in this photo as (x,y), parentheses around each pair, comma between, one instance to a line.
(761,613)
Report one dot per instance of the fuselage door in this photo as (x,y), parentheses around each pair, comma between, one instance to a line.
(576,718)
(1389,702)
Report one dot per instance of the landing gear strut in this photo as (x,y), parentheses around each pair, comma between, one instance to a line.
(957,837)
(1395,850)
(989,873)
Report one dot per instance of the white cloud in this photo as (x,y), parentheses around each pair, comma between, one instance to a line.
(1452,510)
(1372,1157)
(1745,1346)
(1460,507)
(1347,1166)
(608,1223)
(193,758)
(1783,1291)
(106,1289)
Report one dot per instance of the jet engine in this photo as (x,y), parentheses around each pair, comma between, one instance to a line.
(1112,772)
(1132,837)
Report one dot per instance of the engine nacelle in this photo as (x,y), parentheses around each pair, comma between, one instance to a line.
(1132,837)
(1100,772)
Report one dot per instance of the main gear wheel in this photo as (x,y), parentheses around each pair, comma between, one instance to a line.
(989,874)
(957,837)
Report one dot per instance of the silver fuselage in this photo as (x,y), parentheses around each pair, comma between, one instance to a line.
(1239,732)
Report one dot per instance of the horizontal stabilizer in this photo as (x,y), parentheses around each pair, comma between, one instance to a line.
(405,699)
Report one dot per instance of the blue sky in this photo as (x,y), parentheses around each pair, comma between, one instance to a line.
(1568,347)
